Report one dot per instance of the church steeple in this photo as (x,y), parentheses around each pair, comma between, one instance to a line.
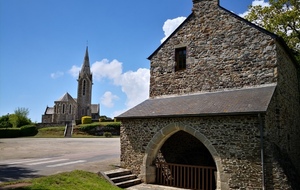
(85,69)
(84,90)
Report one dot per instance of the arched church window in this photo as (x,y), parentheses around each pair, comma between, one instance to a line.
(84,87)
(63,108)
(70,109)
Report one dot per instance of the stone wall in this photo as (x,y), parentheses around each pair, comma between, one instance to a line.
(66,114)
(236,140)
(283,120)
(223,51)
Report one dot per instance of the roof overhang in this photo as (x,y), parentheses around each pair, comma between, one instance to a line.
(232,102)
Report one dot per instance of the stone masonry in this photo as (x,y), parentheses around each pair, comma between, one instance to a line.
(223,53)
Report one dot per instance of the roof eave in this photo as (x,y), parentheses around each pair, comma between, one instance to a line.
(193,115)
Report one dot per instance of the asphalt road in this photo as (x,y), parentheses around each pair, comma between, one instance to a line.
(22,158)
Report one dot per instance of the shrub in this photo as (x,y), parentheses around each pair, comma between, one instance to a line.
(86,120)
(28,130)
(4,122)
(10,133)
(88,127)
(115,125)
(107,134)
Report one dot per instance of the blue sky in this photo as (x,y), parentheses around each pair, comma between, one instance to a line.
(42,46)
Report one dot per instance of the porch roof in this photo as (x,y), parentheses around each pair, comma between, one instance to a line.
(239,101)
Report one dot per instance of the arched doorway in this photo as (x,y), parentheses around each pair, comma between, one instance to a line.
(164,141)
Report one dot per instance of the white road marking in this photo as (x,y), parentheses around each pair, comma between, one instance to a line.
(45,162)
(27,161)
(66,163)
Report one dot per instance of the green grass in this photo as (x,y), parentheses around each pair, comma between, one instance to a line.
(66,181)
(51,132)
(58,132)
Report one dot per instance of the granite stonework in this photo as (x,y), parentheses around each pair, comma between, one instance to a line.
(224,52)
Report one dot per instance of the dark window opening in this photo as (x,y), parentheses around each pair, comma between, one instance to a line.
(70,109)
(180,59)
(84,87)
(63,108)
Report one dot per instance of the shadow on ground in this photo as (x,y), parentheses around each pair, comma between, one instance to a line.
(10,173)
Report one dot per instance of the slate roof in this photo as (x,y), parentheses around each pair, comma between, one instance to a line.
(65,98)
(240,101)
(49,111)
(95,108)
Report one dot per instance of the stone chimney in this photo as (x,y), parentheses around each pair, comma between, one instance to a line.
(198,5)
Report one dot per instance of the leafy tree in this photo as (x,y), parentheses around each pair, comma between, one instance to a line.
(24,112)
(282,17)
(4,121)
(20,117)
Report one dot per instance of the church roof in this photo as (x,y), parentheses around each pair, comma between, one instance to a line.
(95,108)
(240,101)
(49,111)
(65,98)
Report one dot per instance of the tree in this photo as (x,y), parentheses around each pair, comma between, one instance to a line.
(282,17)
(4,121)
(20,117)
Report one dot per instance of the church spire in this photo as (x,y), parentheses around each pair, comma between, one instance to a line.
(85,69)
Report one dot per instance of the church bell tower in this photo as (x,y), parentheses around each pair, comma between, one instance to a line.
(84,89)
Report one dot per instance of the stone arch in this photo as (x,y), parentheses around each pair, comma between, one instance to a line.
(148,169)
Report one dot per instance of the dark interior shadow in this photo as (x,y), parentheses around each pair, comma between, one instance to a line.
(11,173)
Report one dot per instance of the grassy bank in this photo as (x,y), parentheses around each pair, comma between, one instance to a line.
(58,132)
(64,181)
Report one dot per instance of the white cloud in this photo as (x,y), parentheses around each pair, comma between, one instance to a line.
(255,3)
(106,69)
(56,74)
(108,98)
(170,25)
(74,71)
(135,85)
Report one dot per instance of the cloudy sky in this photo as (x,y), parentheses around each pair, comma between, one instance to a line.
(42,46)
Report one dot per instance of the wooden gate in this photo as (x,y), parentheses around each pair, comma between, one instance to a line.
(186,176)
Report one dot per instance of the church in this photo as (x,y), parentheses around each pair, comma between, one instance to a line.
(67,108)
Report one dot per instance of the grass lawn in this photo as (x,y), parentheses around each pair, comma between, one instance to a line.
(58,132)
(64,181)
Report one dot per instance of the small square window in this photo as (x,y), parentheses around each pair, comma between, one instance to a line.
(180,58)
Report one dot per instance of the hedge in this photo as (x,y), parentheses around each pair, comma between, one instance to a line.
(86,120)
(10,132)
(24,131)
(28,130)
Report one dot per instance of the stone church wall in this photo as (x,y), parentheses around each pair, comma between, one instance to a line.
(223,52)
(235,138)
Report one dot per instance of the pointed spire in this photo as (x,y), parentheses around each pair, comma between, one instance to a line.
(85,69)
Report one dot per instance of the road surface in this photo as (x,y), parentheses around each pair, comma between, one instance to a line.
(22,158)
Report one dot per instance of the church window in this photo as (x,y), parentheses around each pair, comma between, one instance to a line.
(63,108)
(70,109)
(180,58)
(84,87)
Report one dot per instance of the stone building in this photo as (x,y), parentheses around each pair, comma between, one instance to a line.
(224,108)
(67,108)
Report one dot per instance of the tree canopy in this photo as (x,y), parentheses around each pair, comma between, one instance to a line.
(18,119)
(282,17)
